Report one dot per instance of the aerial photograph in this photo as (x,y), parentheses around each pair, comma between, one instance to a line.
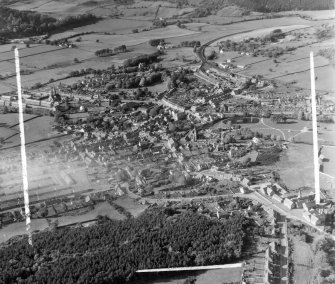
(167,142)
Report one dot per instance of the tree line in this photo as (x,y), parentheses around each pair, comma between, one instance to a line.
(145,58)
(112,251)
(108,52)
(16,23)
(210,7)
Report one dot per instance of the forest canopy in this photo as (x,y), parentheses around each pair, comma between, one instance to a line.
(15,23)
(112,251)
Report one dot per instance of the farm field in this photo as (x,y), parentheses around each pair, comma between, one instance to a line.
(325,79)
(57,57)
(216,275)
(315,15)
(41,76)
(24,52)
(116,26)
(36,129)
(329,163)
(5,132)
(263,32)
(54,8)
(7,68)
(11,119)
(5,88)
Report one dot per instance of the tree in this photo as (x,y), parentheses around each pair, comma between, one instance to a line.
(143,82)
(279,118)
(75,60)
(301,115)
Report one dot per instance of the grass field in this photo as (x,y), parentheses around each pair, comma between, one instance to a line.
(11,119)
(130,205)
(7,132)
(103,209)
(36,129)
(16,229)
(300,158)
(303,261)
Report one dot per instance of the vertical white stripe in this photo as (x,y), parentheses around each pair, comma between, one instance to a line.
(23,147)
(315,133)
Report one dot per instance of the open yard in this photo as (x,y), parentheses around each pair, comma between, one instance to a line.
(130,205)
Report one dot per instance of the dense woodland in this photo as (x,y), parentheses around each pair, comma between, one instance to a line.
(112,251)
(145,58)
(14,23)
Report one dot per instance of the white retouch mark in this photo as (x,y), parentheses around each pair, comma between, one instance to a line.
(23,147)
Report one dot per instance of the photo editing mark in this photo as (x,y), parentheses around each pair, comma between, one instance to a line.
(23,148)
(315,133)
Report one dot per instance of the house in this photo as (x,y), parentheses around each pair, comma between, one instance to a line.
(307,206)
(277,198)
(243,190)
(315,220)
(289,203)
(307,216)
(269,191)
(280,189)
(262,190)
(246,182)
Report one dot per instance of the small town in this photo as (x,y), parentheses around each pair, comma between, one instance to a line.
(195,169)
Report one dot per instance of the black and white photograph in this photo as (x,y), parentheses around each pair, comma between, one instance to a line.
(167,141)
